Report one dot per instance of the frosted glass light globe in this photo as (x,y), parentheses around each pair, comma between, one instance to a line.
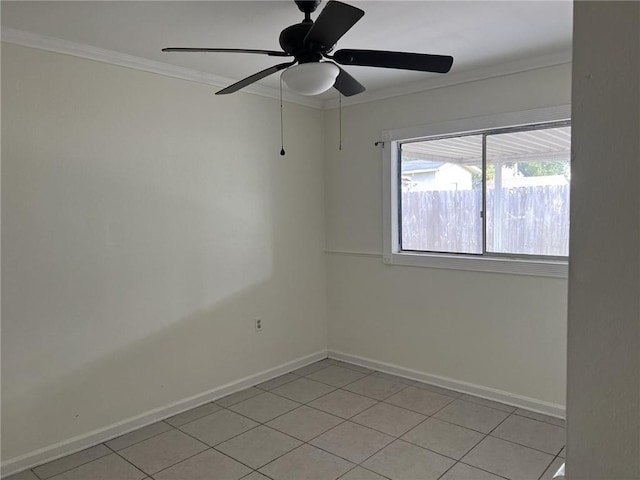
(311,78)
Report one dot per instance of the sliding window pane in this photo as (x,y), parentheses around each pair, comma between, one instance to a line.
(441,195)
(528,182)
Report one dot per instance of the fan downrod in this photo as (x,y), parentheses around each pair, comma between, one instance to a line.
(307,7)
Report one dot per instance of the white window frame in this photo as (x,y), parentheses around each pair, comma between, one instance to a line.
(393,255)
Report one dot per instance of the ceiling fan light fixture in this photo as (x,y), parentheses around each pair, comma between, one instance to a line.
(311,78)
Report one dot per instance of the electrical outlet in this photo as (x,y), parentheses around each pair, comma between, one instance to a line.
(258,324)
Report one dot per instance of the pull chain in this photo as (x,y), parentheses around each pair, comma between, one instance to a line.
(281,121)
(340,118)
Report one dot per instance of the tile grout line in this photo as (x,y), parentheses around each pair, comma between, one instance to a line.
(538,420)
(447,470)
(432,416)
(416,411)
(489,435)
(171,427)
(209,447)
(524,446)
(347,472)
(150,475)
(551,463)
(457,461)
(197,418)
(364,468)
(35,474)
(492,430)
(307,442)
(130,463)
(117,452)
(482,469)
(429,417)
(72,468)
(516,443)
(321,396)
(295,448)
(235,459)
(251,473)
(259,424)
(369,470)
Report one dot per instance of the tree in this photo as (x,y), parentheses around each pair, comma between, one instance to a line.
(540,169)
(526,169)
(476,178)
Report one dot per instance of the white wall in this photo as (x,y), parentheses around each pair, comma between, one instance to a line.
(603,400)
(499,331)
(146,222)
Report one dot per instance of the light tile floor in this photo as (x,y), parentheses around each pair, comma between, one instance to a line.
(325,421)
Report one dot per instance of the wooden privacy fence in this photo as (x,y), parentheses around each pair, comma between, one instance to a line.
(523,220)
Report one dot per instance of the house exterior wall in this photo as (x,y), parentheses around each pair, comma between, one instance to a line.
(453,177)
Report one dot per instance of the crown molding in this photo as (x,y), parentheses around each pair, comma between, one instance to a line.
(51,44)
(42,42)
(456,78)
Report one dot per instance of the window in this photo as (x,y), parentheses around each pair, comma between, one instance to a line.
(493,199)
(521,181)
(441,195)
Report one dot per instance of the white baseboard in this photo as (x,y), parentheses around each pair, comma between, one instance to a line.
(80,442)
(540,406)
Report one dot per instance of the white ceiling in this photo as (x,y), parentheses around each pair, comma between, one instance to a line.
(480,35)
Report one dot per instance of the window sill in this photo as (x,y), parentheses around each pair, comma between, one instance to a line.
(512,266)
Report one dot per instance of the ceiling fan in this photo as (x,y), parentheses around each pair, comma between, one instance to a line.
(310,44)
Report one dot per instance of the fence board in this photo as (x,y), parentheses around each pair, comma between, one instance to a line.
(534,220)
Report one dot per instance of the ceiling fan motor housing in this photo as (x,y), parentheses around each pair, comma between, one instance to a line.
(292,42)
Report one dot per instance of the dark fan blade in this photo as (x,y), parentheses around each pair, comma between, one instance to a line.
(271,53)
(347,85)
(254,78)
(401,60)
(332,23)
